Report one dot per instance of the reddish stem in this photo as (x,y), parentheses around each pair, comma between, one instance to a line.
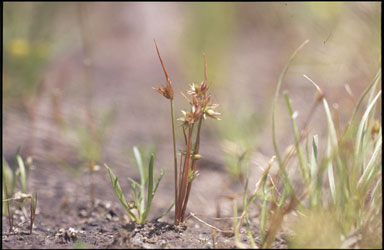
(185,173)
(194,161)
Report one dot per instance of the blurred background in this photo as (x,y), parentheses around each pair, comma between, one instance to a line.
(78,77)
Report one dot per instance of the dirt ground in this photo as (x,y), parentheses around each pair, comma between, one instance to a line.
(65,218)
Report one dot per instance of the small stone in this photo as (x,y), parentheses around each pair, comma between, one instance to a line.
(163,243)
(107,205)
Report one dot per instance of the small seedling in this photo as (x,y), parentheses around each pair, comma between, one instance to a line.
(9,186)
(139,190)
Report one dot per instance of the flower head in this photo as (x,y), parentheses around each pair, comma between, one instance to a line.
(210,111)
(200,104)
(201,90)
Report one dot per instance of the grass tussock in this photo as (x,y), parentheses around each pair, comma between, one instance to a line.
(339,203)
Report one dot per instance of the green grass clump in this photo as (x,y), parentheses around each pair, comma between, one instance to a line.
(352,163)
(145,189)
(339,203)
(16,179)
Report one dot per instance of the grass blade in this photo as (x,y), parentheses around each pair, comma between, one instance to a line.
(263,215)
(369,169)
(238,242)
(8,178)
(23,176)
(331,127)
(363,124)
(374,82)
(249,233)
(158,181)
(140,166)
(376,192)
(332,144)
(286,181)
(299,149)
(165,212)
(315,189)
(150,188)
(274,103)
(331,178)
(119,192)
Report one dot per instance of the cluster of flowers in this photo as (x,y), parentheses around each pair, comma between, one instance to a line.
(200,104)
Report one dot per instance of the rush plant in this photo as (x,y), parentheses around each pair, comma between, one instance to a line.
(200,109)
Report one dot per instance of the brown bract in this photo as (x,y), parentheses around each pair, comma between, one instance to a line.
(165,90)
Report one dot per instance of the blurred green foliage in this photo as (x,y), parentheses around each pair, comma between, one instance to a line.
(209,29)
(27,49)
(239,134)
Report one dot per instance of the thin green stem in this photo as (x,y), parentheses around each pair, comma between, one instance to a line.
(299,149)
(274,103)
(277,152)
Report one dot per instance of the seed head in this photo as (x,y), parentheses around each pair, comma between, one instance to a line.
(166,90)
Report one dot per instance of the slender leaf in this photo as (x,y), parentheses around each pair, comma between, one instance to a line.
(376,191)
(150,188)
(119,192)
(331,127)
(166,211)
(360,131)
(23,176)
(331,178)
(374,82)
(132,181)
(274,103)
(235,222)
(369,169)
(249,233)
(140,166)
(299,149)
(287,184)
(315,189)
(263,215)
(158,181)
(8,177)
